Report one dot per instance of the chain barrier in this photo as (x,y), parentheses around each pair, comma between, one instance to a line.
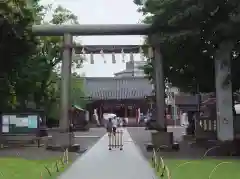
(159,165)
(56,166)
(163,171)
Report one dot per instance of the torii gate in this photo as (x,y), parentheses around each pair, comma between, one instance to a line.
(68,31)
(225,129)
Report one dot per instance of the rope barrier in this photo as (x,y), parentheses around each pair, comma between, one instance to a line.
(159,165)
(55,166)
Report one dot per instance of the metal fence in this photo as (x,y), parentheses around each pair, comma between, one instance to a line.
(116,140)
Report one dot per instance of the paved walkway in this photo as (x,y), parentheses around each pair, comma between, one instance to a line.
(100,163)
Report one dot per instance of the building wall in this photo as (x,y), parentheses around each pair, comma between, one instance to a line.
(138,73)
(132,69)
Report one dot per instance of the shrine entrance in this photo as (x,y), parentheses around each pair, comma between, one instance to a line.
(68,31)
(122,108)
(118,110)
(121,95)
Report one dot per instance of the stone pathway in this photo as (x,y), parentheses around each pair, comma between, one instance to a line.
(100,163)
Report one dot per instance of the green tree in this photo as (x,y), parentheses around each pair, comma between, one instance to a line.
(191,32)
(47,92)
(17,45)
(77,92)
(30,73)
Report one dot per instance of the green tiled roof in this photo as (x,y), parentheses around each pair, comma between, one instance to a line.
(117,87)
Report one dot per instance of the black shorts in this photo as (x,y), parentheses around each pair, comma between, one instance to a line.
(109,130)
(114,129)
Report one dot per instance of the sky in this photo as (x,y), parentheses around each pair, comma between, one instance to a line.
(103,12)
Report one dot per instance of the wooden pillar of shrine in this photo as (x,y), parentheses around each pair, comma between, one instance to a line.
(100,113)
(125,110)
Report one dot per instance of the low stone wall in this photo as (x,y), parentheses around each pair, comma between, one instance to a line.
(171,122)
(19,140)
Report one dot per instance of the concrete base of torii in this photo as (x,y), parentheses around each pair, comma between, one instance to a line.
(161,138)
(62,140)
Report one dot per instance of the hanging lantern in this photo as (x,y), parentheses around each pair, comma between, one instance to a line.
(74,55)
(123,56)
(84,53)
(113,58)
(102,55)
(150,52)
(79,61)
(76,58)
(141,53)
(91,58)
(131,57)
(73,52)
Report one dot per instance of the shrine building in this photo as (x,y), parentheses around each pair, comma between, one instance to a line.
(123,94)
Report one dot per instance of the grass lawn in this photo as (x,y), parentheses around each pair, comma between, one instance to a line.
(17,168)
(203,169)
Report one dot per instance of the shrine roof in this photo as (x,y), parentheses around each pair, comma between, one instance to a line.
(117,87)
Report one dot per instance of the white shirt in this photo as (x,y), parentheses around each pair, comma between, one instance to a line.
(114,122)
(184,119)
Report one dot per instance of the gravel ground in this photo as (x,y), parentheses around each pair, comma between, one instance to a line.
(141,137)
(88,139)
(85,139)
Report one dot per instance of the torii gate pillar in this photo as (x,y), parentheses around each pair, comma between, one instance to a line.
(225,128)
(159,82)
(65,82)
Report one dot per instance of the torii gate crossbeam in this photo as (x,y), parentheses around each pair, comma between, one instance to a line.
(92,30)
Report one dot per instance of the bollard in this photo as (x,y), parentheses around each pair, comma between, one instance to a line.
(109,141)
(57,168)
(64,157)
(116,138)
(121,140)
(163,172)
(49,172)
(168,173)
(67,156)
(154,159)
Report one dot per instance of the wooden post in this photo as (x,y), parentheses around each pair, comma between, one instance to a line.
(67,156)
(125,111)
(100,113)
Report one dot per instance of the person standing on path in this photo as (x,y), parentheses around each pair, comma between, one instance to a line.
(109,126)
(115,124)
(95,117)
(184,119)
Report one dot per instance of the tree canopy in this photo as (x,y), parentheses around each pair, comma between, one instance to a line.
(191,32)
(17,45)
(30,74)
